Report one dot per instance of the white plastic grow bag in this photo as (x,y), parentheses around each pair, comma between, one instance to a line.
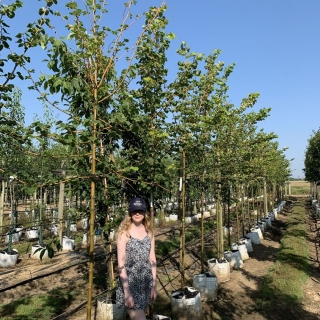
(188,219)
(199,282)
(107,309)
(262,225)
(54,229)
(221,269)
(32,234)
(15,237)
(186,304)
(173,217)
(206,214)
(159,317)
(268,221)
(254,236)
(85,239)
(67,243)
(271,216)
(243,251)
(19,231)
(36,251)
(234,246)
(8,260)
(85,223)
(213,211)
(234,258)
(211,290)
(248,244)
(227,231)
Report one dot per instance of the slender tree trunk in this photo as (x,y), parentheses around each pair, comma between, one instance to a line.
(60,210)
(202,225)
(265,199)
(3,187)
(182,241)
(219,223)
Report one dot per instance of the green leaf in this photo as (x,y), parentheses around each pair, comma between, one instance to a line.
(171,36)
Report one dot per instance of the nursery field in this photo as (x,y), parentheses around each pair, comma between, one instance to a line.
(62,294)
(300,187)
(115,124)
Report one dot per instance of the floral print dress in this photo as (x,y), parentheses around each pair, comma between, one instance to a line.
(139,273)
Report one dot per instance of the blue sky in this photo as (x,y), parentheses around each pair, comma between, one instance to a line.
(274,45)
(275,48)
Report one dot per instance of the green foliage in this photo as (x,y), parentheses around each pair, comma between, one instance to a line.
(165,247)
(23,247)
(192,234)
(50,248)
(38,306)
(312,156)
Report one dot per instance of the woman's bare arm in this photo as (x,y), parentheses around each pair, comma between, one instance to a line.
(121,253)
(153,262)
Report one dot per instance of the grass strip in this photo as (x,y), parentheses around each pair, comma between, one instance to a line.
(283,284)
(38,306)
(295,190)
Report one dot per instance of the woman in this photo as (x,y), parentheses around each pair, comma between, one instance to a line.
(137,286)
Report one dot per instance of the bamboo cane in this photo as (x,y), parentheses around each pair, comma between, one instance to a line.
(182,242)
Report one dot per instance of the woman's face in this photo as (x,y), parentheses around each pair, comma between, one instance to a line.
(137,216)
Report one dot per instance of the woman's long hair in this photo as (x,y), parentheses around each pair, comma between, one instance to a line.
(127,221)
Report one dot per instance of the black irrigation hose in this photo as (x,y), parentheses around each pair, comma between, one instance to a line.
(169,255)
(21,269)
(50,273)
(6,272)
(66,314)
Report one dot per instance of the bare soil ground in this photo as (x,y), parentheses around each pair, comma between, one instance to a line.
(237,298)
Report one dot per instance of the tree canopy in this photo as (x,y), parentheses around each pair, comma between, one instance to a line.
(124,123)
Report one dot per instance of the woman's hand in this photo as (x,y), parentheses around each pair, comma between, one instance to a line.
(128,301)
(153,294)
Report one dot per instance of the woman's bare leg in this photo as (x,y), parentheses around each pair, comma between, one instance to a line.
(137,314)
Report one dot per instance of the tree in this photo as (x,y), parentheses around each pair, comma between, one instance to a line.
(81,71)
(312,158)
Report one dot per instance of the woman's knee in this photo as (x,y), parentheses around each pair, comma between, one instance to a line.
(137,314)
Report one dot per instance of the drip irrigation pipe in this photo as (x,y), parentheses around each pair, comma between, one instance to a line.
(50,273)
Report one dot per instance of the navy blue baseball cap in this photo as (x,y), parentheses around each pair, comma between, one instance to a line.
(136,204)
